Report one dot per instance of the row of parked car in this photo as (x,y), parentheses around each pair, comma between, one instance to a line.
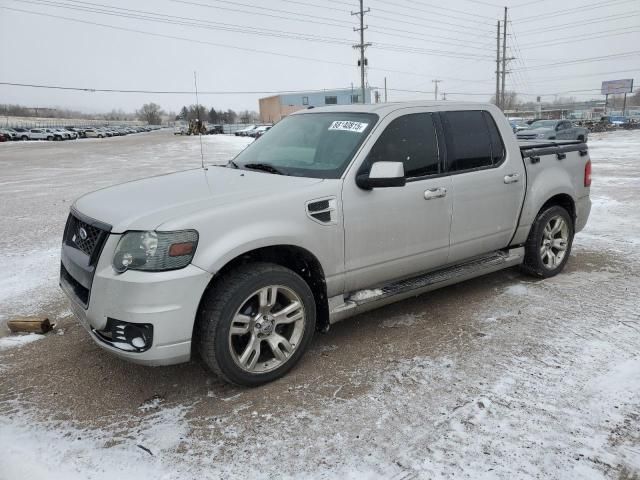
(71,133)
(254,131)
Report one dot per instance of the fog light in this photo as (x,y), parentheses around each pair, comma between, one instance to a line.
(130,337)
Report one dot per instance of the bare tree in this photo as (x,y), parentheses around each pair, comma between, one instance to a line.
(150,113)
(510,100)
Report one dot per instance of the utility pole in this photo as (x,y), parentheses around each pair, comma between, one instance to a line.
(385,89)
(362,46)
(504,57)
(498,66)
(444,95)
(436,82)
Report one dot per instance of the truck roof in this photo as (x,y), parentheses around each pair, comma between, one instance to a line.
(385,108)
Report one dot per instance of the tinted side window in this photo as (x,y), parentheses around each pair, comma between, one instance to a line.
(468,140)
(497,147)
(410,139)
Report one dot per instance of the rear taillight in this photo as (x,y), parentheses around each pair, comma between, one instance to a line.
(587,174)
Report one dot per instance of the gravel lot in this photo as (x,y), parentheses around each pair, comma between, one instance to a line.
(498,377)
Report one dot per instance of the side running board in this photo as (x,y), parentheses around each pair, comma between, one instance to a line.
(365,300)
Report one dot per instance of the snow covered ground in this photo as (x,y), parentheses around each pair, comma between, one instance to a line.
(500,377)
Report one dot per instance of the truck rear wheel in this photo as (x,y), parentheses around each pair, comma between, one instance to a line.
(549,244)
(255,323)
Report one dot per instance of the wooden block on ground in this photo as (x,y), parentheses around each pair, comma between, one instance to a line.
(29,324)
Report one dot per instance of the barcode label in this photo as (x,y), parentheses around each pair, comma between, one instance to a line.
(348,126)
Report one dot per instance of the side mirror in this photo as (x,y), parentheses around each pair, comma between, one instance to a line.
(382,175)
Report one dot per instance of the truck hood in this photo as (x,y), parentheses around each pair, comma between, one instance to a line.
(146,204)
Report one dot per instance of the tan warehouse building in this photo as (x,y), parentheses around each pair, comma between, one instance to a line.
(273,109)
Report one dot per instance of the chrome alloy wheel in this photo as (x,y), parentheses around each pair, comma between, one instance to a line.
(267,329)
(555,240)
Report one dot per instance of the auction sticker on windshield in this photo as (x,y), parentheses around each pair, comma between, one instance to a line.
(348,126)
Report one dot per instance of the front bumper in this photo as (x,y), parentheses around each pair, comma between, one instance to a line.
(167,300)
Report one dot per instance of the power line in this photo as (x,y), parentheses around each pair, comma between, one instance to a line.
(587,60)
(187,21)
(204,42)
(572,11)
(582,38)
(165,92)
(589,21)
(598,74)
(438,7)
(456,17)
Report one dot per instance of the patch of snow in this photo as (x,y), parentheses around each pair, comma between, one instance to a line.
(366,294)
(400,321)
(16,341)
(518,289)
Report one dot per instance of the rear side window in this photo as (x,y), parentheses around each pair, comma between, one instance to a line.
(497,147)
(472,140)
(410,139)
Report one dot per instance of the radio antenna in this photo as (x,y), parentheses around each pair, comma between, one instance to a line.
(195,82)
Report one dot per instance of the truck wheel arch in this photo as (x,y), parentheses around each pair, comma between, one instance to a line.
(562,200)
(295,258)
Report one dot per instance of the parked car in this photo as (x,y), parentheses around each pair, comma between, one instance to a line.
(4,137)
(66,135)
(259,131)
(553,130)
(180,130)
(245,131)
(22,134)
(94,133)
(9,133)
(214,129)
(337,211)
(41,134)
(73,132)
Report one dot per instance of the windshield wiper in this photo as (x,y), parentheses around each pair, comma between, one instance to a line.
(265,167)
(233,164)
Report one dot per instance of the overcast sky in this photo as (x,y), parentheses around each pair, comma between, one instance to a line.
(413,43)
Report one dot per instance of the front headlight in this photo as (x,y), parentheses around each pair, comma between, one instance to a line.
(541,135)
(155,251)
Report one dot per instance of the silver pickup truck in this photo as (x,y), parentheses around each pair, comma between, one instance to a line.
(333,212)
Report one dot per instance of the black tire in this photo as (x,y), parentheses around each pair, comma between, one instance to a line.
(222,301)
(533,261)
(49,138)
(24,137)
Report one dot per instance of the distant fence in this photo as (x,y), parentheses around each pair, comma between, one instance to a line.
(27,122)
(228,128)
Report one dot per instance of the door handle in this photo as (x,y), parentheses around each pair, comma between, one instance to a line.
(512,178)
(435,193)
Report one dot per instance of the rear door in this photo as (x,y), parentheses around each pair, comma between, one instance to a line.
(396,232)
(488,184)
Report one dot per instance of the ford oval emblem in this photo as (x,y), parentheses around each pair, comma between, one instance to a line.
(83,233)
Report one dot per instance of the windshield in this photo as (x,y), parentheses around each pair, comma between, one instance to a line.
(544,124)
(317,145)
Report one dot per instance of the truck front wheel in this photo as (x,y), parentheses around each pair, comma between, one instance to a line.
(255,323)
(549,244)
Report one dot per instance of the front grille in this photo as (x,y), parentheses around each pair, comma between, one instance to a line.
(82,245)
(81,235)
(81,293)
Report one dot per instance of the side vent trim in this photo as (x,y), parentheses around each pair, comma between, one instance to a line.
(323,210)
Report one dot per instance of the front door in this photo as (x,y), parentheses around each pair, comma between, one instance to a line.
(396,232)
